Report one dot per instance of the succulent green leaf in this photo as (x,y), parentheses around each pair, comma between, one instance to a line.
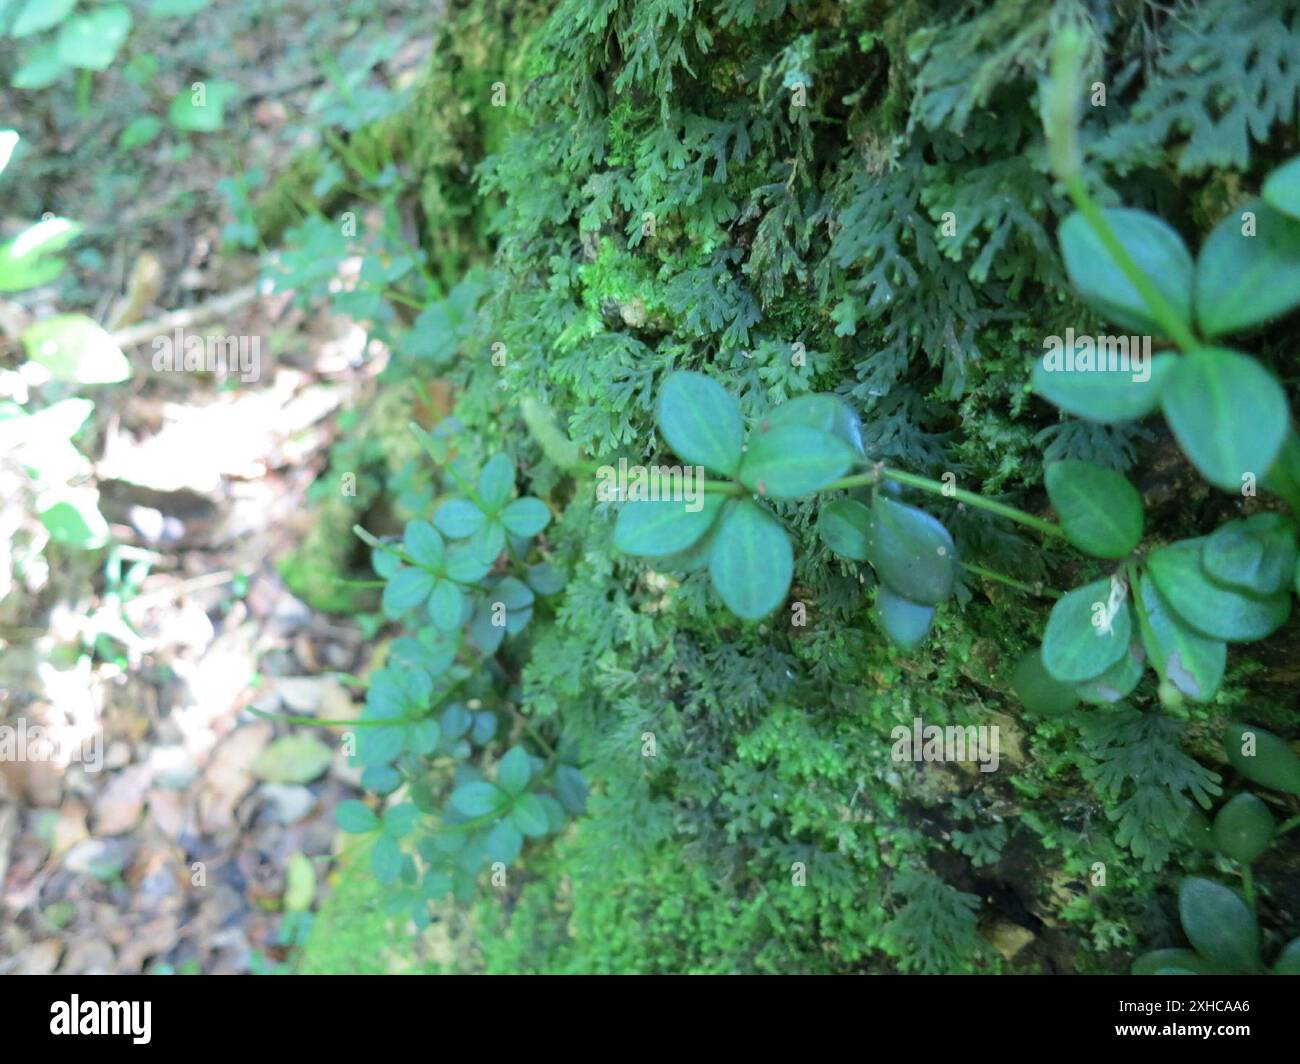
(1219,924)
(1243,829)
(1038,690)
(911,551)
(1262,757)
(906,623)
(845,527)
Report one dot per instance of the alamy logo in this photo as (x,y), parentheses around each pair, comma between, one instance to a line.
(223,356)
(102,1017)
(56,744)
(651,484)
(1100,354)
(929,742)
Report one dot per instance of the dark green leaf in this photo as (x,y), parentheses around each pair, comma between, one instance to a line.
(751,562)
(1081,642)
(700,421)
(1228,413)
(1262,757)
(1100,511)
(1038,690)
(845,526)
(1157,250)
(1281,189)
(1209,607)
(1163,959)
(911,551)
(1288,961)
(571,788)
(906,623)
(529,816)
(1219,924)
(1243,829)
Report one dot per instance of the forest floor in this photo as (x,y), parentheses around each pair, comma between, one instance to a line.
(202,842)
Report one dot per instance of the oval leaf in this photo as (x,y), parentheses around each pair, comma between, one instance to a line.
(1229,414)
(1256,555)
(793,460)
(1156,249)
(1101,394)
(907,623)
(1244,828)
(751,561)
(1208,607)
(700,421)
(911,551)
(1192,662)
(1249,270)
(660,529)
(1100,511)
(1075,649)
(1262,757)
(845,527)
(1038,690)
(1219,924)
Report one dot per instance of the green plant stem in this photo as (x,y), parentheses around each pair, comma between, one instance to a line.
(1160,307)
(998,578)
(977,501)
(1248,885)
(528,727)
(1286,826)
